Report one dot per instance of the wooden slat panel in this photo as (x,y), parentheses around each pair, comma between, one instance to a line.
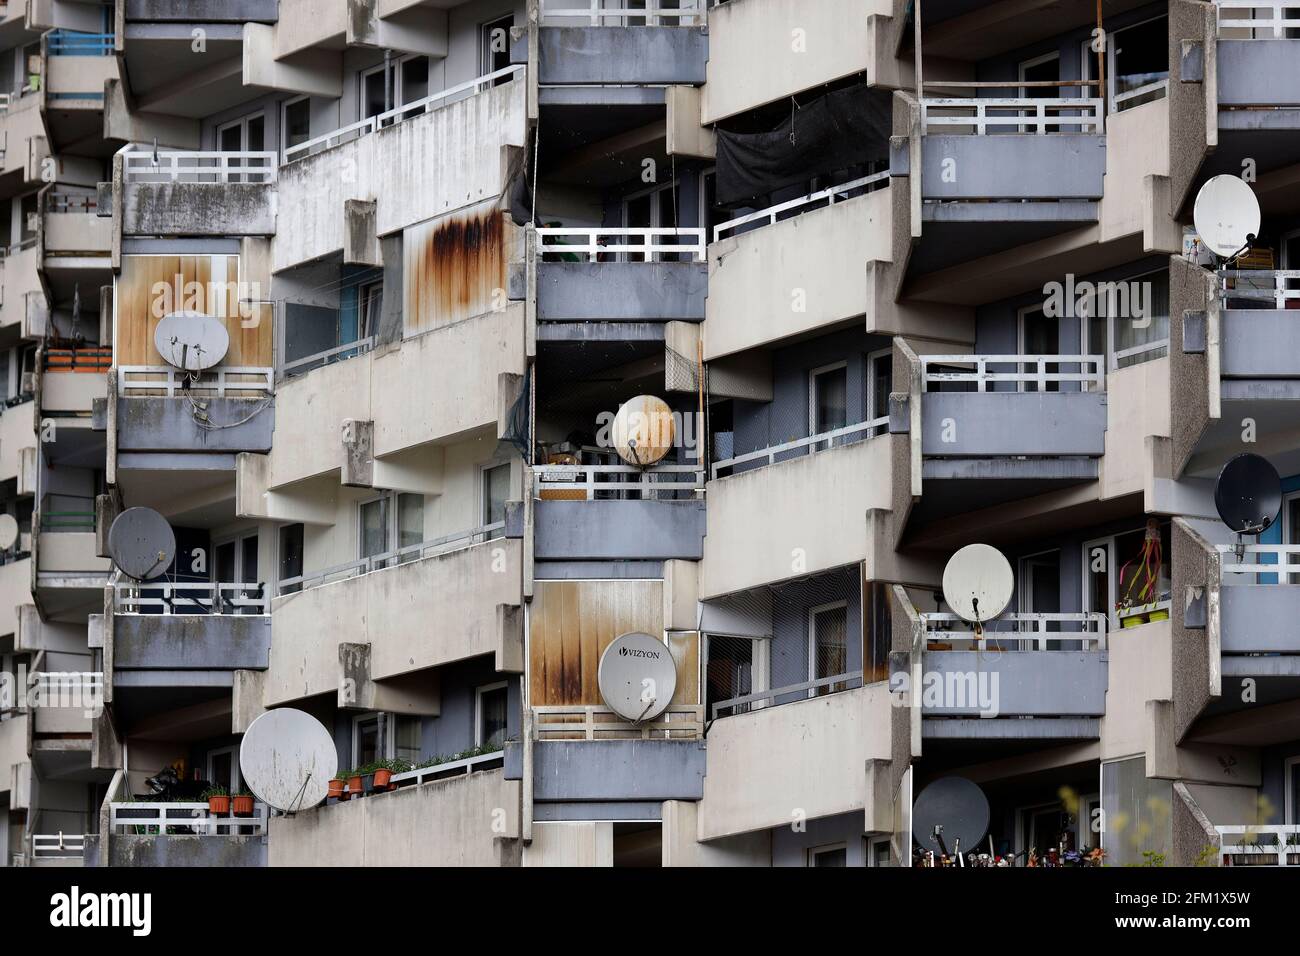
(685,648)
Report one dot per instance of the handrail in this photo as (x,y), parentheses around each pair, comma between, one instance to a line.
(851,679)
(982,376)
(465,765)
(690,13)
(1273,17)
(1285,843)
(579,722)
(772,212)
(60,203)
(392,117)
(59,846)
(185,598)
(1120,99)
(199,166)
(1015,113)
(215,382)
(80,681)
(583,477)
(827,438)
(1280,294)
(1025,626)
(1230,563)
(360,346)
(646,249)
(191,816)
(378,562)
(90,358)
(75,43)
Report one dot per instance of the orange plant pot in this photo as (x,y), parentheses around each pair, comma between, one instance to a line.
(219,805)
(354,784)
(243,806)
(382,777)
(336,788)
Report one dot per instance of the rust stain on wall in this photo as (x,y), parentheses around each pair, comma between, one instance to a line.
(454,267)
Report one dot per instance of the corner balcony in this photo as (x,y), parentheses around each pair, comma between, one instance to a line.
(22,121)
(15,769)
(612,275)
(18,446)
(812,497)
(71,383)
(598,42)
(65,706)
(1257,65)
(618,512)
(1259,603)
(198,193)
(57,849)
(418,608)
(201,11)
(23,304)
(1259,844)
(70,574)
(76,68)
(75,235)
(149,834)
(1259,346)
(824,241)
(15,586)
(154,413)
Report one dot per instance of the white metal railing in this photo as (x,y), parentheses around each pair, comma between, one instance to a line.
(396,115)
(54,685)
(388,559)
(1013,114)
(596,242)
(145,166)
(188,818)
(1262,284)
(58,846)
(174,599)
(646,482)
(578,722)
(59,203)
(1248,559)
(805,689)
(1245,841)
(464,766)
(1272,18)
(1091,369)
(600,13)
(1146,348)
(1122,101)
(819,442)
(358,347)
(773,213)
(149,380)
(1027,630)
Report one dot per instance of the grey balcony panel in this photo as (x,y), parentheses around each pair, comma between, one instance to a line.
(1258,73)
(602,96)
(601,332)
(191,642)
(1013,423)
(610,529)
(218,34)
(1262,120)
(597,55)
(1260,343)
(1052,683)
(177,850)
(1015,214)
(1276,665)
(171,679)
(622,291)
(1013,166)
(1071,470)
(204,11)
(1259,618)
(1064,728)
(199,209)
(1260,390)
(159,423)
(582,811)
(583,770)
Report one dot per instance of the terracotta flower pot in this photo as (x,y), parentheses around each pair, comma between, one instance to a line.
(354,784)
(382,777)
(336,788)
(243,806)
(219,806)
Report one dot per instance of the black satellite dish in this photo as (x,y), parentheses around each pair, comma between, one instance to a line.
(950,816)
(1248,494)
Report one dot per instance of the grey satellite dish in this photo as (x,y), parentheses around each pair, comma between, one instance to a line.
(977,583)
(637,676)
(287,758)
(1248,494)
(191,340)
(1226,215)
(951,815)
(8,532)
(141,543)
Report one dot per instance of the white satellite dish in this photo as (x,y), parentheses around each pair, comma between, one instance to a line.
(643,430)
(1226,215)
(141,543)
(191,340)
(8,531)
(637,676)
(287,758)
(977,583)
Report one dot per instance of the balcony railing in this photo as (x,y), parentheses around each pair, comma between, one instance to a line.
(610,13)
(942,370)
(60,203)
(773,214)
(1259,845)
(1019,631)
(654,245)
(837,438)
(164,380)
(68,43)
(190,598)
(389,559)
(677,722)
(437,771)
(164,819)
(801,691)
(1251,559)
(327,357)
(58,846)
(67,513)
(1269,20)
(67,688)
(394,116)
(91,359)
(144,166)
(1280,287)
(588,482)
(981,116)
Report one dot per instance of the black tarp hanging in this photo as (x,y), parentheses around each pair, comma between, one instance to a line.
(846,128)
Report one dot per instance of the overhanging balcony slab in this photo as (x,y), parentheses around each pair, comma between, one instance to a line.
(1066,728)
(604,530)
(1260,343)
(582,770)
(991,424)
(1069,470)
(203,11)
(1264,73)
(160,424)
(671,55)
(608,96)
(1259,390)
(1018,683)
(199,209)
(1013,166)
(1246,665)
(1259,618)
(191,642)
(621,291)
(178,850)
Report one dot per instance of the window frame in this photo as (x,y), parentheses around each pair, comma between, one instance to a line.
(284,122)
(812,852)
(483,496)
(479,691)
(826,689)
(381,735)
(236,778)
(813,375)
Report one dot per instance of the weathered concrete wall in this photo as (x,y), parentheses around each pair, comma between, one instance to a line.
(628,291)
(19,125)
(79,232)
(455,822)
(1137,405)
(203,11)
(79,77)
(808,756)
(167,424)
(199,209)
(1258,73)
(191,642)
(15,591)
(21,280)
(68,392)
(17,431)
(13,748)
(610,530)
(681,848)
(821,522)
(585,844)
(1191,289)
(795,276)
(69,552)
(1189,127)
(175,850)
(1136,147)
(1259,618)
(1139,670)
(1029,683)
(601,55)
(1014,166)
(1013,423)
(1260,343)
(566,770)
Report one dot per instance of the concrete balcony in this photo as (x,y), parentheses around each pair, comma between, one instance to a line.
(15,770)
(176,835)
(152,411)
(76,82)
(825,497)
(626,276)
(23,304)
(1258,78)
(187,627)
(451,822)
(824,244)
(1258,605)
(420,614)
(201,11)
(18,446)
(817,755)
(22,128)
(15,591)
(77,233)
(196,193)
(617,45)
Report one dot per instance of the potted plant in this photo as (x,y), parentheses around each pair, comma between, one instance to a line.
(242,804)
(336,786)
(354,781)
(385,769)
(218,800)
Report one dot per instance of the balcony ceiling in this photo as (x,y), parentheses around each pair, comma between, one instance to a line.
(165,75)
(978,29)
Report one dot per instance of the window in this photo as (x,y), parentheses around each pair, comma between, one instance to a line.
(1039,335)
(406,738)
(244,135)
(291,554)
(828,646)
(879,632)
(834,855)
(1291,777)
(375,91)
(653,208)
(877,851)
(366,744)
(410,520)
(828,393)
(373,535)
(1129,320)
(370,305)
(235,562)
(491,710)
(223,769)
(495,47)
(1137,64)
(295,121)
(390,523)
(880,381)
(495,494)
(1113,572)
(396,83)
(1045,68)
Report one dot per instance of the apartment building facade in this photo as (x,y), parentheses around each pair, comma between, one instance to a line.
(904,277)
